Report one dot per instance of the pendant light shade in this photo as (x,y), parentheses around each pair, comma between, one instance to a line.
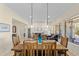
(47,15)
(31,15)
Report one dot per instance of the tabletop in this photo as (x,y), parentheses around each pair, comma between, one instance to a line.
(58,45)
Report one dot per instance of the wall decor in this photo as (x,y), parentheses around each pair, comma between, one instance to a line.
(4,27)
(14,29)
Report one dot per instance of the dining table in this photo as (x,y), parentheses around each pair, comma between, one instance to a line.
(59,47)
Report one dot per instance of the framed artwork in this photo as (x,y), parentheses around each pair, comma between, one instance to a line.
(4,27)
(14,29)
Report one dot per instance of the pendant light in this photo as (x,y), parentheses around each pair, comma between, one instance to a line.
(47,15)
(31,15)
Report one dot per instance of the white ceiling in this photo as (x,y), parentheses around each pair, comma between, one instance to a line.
(55,11)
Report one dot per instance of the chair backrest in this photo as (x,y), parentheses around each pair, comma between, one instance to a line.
(35,36)
(35,47)
(64,41)
(18,39)
(48,47)
(15,40)
(30,47)
(44,37)
(26,45)
(61,39)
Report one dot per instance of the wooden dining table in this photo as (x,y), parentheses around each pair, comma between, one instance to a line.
(59,47)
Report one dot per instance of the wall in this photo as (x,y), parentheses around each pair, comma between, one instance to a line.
(6,16)
(21,28)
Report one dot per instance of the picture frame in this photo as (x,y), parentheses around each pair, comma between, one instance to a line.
(4,27)
(14,29)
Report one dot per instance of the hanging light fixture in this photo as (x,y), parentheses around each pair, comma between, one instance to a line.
(47,15)
(31,15)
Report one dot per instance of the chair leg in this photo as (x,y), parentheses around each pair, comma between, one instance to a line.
(33,52)
(64,53)
(36,52)
(27,52)
(46,52)
(30,52)
(42,53)
(24,53)
(55,52)
(50,52)
(16,53)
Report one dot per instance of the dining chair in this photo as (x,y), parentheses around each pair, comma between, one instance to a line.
(35,48)
(26,48)
(64,42)
(52,48)
(48,48)
(44,37)
(16,41)
(29,48)
(35,36)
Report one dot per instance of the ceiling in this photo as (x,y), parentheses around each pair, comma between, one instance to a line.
(55,11)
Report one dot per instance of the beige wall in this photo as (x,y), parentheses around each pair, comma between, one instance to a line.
(21,28)
(6,16)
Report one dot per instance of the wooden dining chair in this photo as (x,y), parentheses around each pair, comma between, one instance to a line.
(44,37)
(48,47)
(29,48)
(64,42)
(16,41)
(44,48)
(35,36)
(26,48)
(52,48)
(35,48)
